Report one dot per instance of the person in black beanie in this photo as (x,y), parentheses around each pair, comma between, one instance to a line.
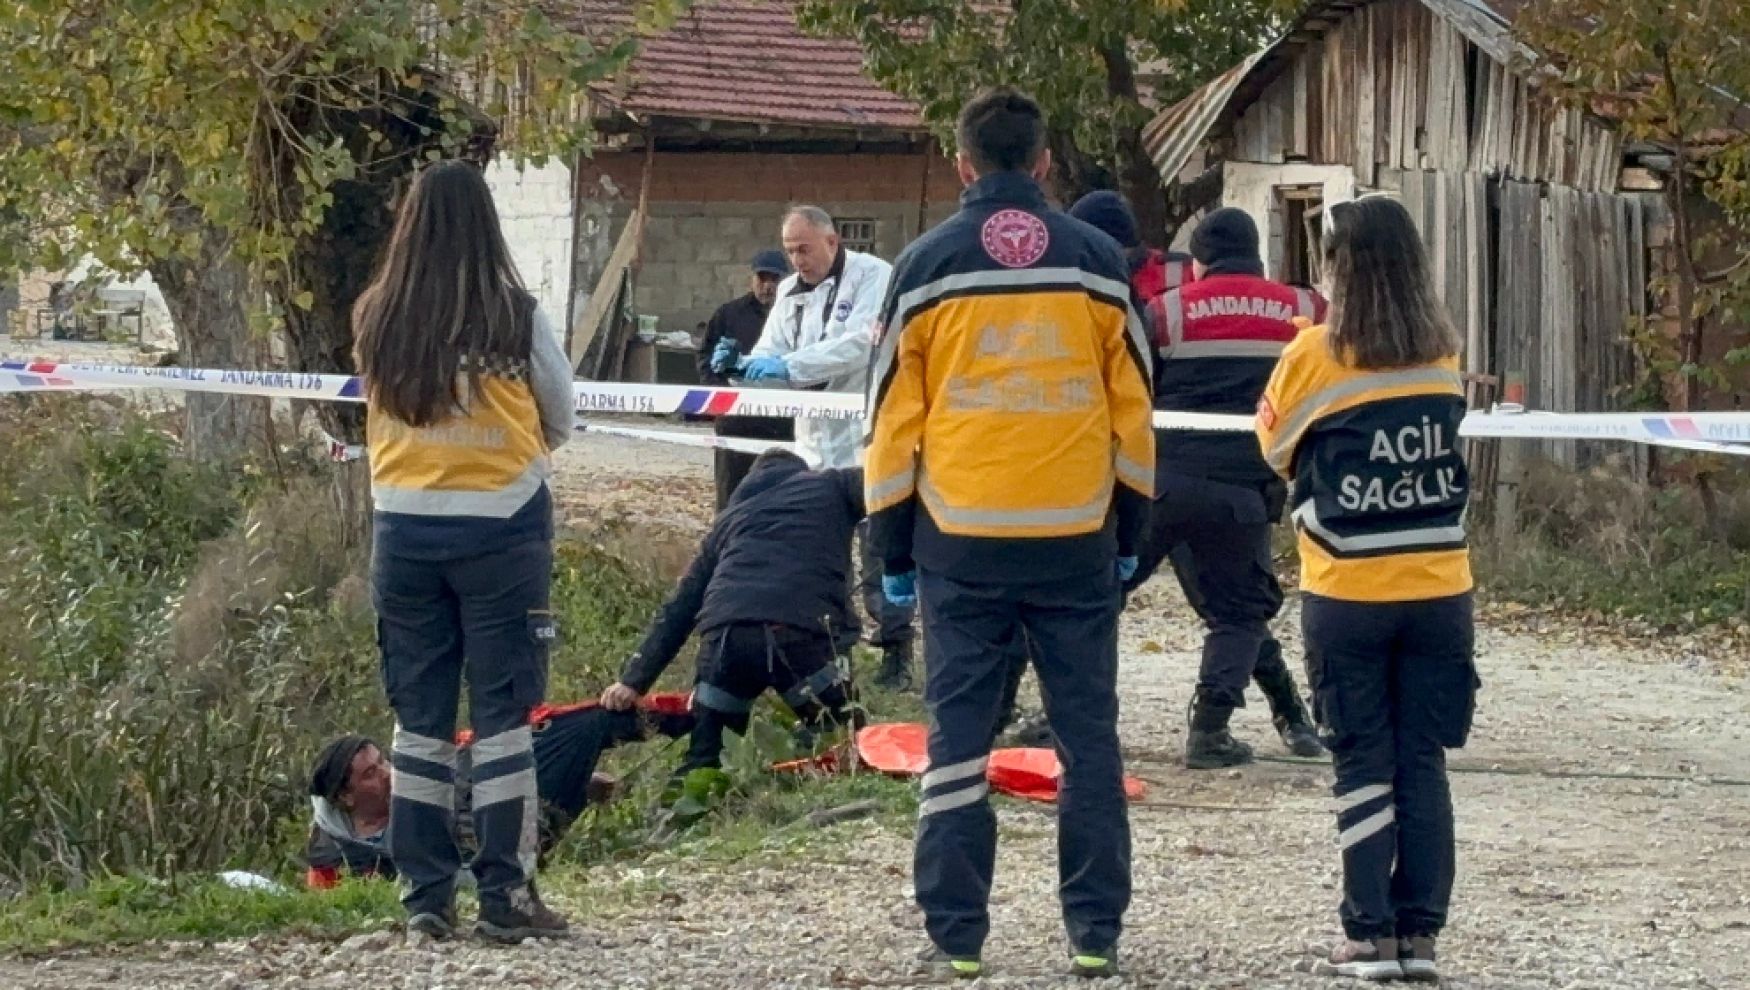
(1217,341)
(1152,272)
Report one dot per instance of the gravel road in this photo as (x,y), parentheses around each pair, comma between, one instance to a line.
(1576,872)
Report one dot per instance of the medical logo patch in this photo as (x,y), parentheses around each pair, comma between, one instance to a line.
(842,311)
(1015,239)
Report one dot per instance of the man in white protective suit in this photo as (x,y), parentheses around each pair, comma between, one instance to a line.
(819,336)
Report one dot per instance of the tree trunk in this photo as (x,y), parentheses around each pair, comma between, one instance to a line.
(1074,173)
(335,265)
(209,300)
(1138,179)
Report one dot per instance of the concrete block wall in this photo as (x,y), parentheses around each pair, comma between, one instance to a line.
(711,212)
(535,210)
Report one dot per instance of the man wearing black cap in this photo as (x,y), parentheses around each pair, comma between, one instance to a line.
(1217,341)
(738,325)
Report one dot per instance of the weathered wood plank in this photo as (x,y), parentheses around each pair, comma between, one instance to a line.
(1366,154)
(1436,143)
(1478,343)
(1300,114)
(607,288)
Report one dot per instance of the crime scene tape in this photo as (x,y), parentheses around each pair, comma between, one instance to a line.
(1717,432)
(343,452)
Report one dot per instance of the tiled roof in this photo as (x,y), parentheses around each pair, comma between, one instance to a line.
(746,60)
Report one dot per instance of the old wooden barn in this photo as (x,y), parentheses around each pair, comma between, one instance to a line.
(1539,225)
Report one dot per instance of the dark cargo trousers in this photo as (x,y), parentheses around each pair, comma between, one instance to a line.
(486,618)
(1216,537)
(1394,687)
(971,643)
(738,663)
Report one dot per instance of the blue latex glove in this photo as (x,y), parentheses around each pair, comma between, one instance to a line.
(1127,568)
(900,589)
(765,369)
(723,358)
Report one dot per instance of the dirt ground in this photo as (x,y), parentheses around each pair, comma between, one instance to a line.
(1602,844)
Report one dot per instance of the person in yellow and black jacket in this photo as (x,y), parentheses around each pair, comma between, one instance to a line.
(467,392)
(1008,472)
(1362,417)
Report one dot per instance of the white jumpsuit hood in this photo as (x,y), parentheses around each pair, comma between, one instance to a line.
(824,335)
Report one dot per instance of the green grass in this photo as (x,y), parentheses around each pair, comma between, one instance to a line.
(767,823)
(127,910)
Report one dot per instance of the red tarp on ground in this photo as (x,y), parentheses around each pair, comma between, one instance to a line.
(900,749)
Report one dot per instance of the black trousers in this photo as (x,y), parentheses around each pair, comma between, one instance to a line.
(485,619)
(1216,537)
(738,663)
(1394,686)
(972,639)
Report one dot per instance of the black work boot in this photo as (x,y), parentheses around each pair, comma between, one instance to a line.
(1033,731)
(1292,722)
(520,915)
(895,672)
(1208,744)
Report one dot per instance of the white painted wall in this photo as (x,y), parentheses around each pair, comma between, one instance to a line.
(534,206)
(1252,188)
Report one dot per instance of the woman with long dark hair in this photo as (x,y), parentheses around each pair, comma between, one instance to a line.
(1362,417)
(468,392)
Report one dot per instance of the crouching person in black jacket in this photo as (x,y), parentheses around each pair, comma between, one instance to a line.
(764,592)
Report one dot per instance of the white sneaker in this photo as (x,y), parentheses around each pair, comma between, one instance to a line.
(1375,961)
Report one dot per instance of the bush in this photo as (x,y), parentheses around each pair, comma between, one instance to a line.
(190,635)
(1601,541)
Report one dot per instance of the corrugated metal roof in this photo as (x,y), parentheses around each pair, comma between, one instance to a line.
(746,60)
(1177,132)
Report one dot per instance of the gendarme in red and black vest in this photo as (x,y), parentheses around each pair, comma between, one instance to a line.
(1216,341)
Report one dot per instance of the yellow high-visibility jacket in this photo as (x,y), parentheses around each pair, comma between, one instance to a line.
(1379,479)
(1008,396)
(478,478)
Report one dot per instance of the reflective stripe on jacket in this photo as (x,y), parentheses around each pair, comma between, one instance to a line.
(1009,394)
(1217,340)
(1379,480)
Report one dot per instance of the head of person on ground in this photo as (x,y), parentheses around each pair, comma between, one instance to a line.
(446,297)
(811,242)
(1385,312)
(1226,243)
(351,776)
(1001,130)
(349,808)
(769,268)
